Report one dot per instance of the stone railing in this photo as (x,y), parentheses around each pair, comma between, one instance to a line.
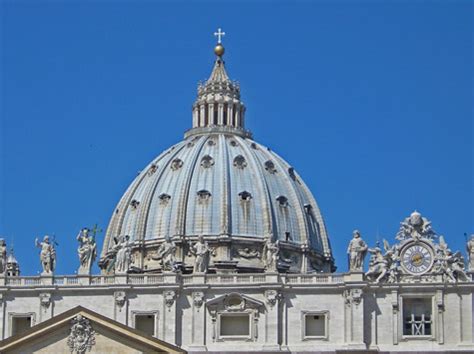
(137,280)
(171,279)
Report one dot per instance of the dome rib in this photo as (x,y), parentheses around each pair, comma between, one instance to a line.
(226,213)
(264,191)
(180,226)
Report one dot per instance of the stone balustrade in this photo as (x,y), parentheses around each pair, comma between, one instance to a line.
(169,278)
(192,279)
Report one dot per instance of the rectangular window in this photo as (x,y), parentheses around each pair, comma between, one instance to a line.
(20,324)
(235,325)
(417,316)
(314,325)
(145,323)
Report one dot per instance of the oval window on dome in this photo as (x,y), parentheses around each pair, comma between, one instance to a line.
(240,162)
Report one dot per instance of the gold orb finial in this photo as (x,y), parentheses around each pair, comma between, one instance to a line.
(219,50)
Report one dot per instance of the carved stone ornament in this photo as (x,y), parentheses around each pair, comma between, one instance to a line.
(272,297)
(82,336)
(169,296)
(353,296)
(415,227)
(198,299)
(45,300)
(247,252)
(120,298)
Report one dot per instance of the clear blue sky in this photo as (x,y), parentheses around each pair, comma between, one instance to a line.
(371,101)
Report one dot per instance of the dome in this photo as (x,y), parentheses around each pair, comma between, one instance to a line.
(218,182)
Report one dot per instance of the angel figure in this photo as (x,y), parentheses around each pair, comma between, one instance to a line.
(378,266)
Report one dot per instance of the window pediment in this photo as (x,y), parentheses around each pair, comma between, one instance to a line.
(234,302)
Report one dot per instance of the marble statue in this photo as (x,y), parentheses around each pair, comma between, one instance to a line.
(470,252)
(450,265)
(271,253)
(47,255)
(356,251)
(201,250)
(378,266)
(3,256)
(123,255)
(86,250)
(166,254)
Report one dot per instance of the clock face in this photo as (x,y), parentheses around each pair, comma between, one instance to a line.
(417,259)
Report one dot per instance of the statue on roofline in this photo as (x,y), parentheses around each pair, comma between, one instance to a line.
(201,250)
(356,251)
(166,254)
(124,255)
(47,255)
(86,251)
(271,254)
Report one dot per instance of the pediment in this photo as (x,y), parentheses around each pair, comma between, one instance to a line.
(234,302)
(82,330)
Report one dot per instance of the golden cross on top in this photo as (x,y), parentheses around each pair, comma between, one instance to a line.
(219,34)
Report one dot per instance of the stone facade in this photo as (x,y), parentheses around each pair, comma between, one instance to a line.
(188,310)
(218,245)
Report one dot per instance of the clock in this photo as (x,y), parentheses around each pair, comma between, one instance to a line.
(417,258)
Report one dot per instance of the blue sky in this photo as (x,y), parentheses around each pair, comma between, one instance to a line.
(371,101)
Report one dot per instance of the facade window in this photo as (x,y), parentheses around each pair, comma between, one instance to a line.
(417,316)
(315,325)
(20,324)
(235,325)
(146,322)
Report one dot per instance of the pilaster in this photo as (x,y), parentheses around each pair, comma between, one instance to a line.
(354,318)
(271,320)
(169,316)
(198,332)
